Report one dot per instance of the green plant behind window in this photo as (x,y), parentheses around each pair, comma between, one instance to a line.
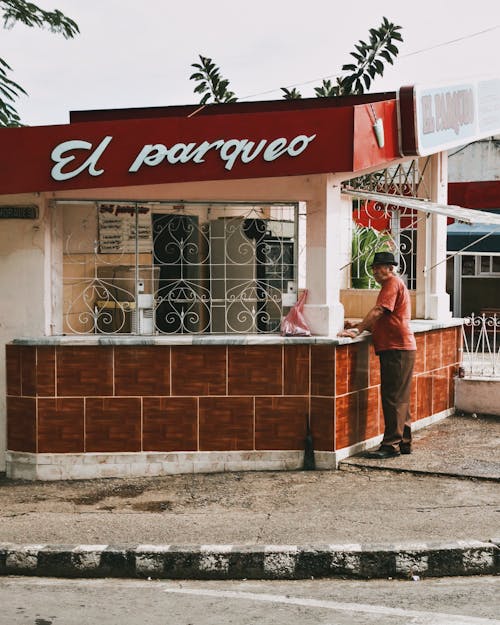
(365,242)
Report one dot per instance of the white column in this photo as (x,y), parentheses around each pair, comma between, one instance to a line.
(433,302)
(329,226)
(54,270)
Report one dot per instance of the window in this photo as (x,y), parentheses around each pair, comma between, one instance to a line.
(386,226)
(164,268)
(480,265)
(468,265)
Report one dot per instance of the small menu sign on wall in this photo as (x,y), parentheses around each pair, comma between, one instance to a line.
(18,211)
(117,229)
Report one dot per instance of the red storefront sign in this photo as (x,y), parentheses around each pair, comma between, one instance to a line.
(142,151)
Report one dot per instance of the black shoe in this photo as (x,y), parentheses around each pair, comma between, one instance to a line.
(405,448)
(382,452)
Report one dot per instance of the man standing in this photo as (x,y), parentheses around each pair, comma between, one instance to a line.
(395,346)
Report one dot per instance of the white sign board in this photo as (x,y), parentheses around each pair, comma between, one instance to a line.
(447,116)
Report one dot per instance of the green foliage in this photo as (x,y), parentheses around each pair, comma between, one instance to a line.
(210,82)
(290,94)
(370,58)
(365,242)
(9,90)
(327,89)
(30,15)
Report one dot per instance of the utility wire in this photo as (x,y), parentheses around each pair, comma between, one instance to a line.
(447,43)
(403,56)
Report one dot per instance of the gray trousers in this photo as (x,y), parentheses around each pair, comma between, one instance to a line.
(396,372)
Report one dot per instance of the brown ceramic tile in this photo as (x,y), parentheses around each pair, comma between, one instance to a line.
(280,422)
(46,371)
(346,420)
(374,364)
(112,424)
(226,423)
(424,396)
(413,399)
(357,364)
(255,370)
(440,390)
(322,422)
(84,371)
(142,370)
(452,374)
(420,355)
(21,424)
(13,369)
(433,352)
(28,371)
(323,370)
(199,370)
(449,346)
(369,413)
(342,370)
(170,424)
(296,358)
(60,425)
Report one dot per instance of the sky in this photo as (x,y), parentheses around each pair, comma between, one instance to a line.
(136,53)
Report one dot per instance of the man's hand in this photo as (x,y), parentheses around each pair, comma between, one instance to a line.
(351,333)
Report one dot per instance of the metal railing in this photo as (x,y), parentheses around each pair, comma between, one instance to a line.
(387,226)
(164,268)
(481,346)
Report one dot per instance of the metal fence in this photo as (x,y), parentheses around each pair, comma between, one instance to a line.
(185,268)
(481,346)
(387,226)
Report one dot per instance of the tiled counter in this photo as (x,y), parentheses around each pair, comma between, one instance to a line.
(103,406)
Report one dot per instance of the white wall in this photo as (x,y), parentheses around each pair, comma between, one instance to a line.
(479,395)
(22,287)
(479,161)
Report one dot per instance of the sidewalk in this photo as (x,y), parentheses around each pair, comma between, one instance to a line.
(433,513)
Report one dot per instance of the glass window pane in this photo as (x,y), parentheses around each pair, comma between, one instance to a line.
(496,264)
(485,264)
(468,266)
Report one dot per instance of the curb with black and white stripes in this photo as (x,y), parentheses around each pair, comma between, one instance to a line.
(361,561)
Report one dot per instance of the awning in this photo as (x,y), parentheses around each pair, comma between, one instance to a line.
(465,215)
(473,237)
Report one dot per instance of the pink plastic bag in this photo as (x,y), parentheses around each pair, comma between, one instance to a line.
(294,324)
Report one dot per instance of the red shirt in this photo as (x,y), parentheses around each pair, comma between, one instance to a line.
(392,330)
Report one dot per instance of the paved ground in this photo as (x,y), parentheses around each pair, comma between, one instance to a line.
(447,601)
(446,491)
(459,446)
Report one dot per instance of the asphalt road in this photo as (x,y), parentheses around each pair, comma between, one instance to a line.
(450,601)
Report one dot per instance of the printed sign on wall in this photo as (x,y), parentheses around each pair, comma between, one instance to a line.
(437,118)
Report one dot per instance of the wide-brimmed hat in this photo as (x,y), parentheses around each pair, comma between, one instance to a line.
(384,258)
